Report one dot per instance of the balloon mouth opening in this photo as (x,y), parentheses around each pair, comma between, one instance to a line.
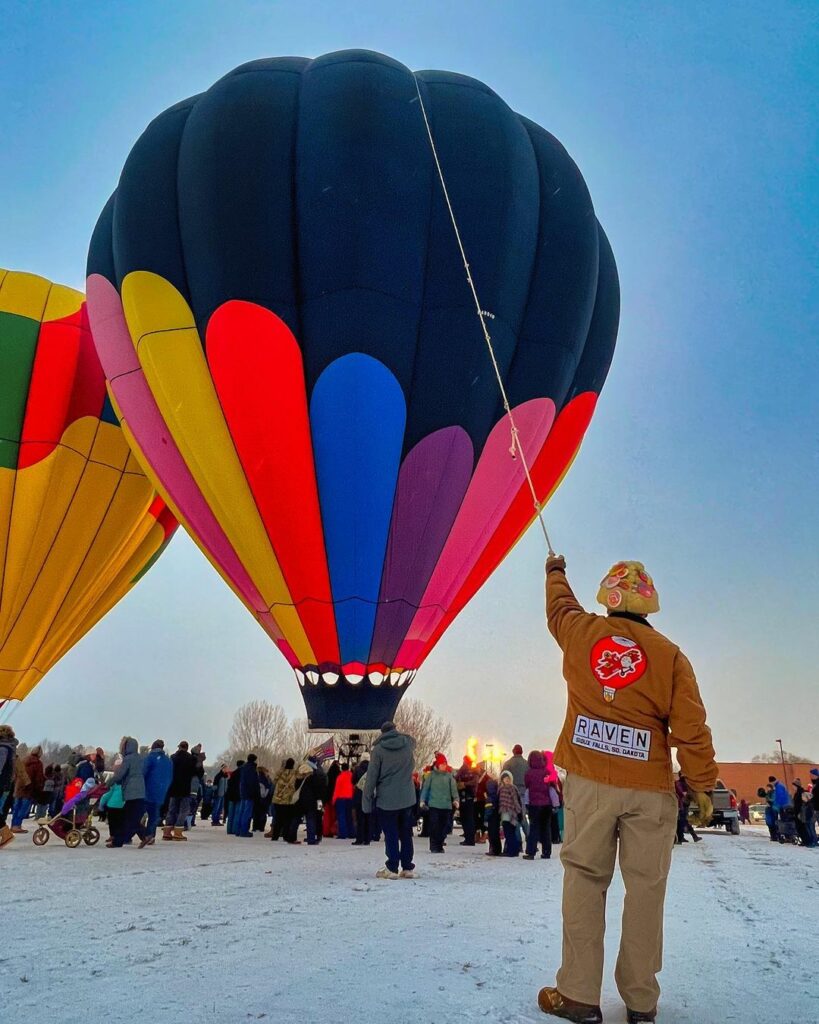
(341,698)
(355,675)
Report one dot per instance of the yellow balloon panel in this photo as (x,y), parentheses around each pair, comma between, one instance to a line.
(170,352)
(79,520)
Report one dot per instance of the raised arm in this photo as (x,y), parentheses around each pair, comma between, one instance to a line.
(562,607)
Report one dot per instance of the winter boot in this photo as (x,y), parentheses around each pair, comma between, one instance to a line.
(167,832)
(6,835)
(178,836)
(408,873)
(386,873)
(551,1001)
(641,1016)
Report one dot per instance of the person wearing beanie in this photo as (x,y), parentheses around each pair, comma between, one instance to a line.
(439,794)
(467,778)
(158,772)
(632,695)
(184,765)
(518,766)
(389,790)
(85,768)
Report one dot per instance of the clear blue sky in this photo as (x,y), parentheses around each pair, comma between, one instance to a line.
(695,126)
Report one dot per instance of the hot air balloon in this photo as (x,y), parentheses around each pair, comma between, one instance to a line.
(79,520)
(280,306)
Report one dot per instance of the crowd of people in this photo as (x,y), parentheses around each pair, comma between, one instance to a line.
(789,815)
(516,812)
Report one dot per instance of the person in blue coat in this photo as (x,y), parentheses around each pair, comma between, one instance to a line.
(85,766)
(781,798)
(158,772)
(249,792)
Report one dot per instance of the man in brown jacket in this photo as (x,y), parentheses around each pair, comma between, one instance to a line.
(632,695)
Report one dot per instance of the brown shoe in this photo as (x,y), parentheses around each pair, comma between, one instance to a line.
(551,1001)
(167,832)
(6,835)
(18,831)
(178,836)
(146,841)
(641,1016)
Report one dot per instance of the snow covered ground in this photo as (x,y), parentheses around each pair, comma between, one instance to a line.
(228,930)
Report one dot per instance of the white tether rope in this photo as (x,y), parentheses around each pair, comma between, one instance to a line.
(516,447)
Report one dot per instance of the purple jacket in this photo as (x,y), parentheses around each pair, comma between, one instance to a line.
(536,783)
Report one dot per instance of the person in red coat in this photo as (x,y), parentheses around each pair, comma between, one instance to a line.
(343,803)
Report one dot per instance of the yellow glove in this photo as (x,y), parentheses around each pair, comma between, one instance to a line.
(705,809)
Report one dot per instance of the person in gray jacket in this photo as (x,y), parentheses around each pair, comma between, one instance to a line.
(389,788)
(129,775)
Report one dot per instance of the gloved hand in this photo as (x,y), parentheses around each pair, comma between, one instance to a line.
(705,809)
(555,562)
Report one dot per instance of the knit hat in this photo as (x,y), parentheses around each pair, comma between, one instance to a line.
(627,587)
(815,772)
(440,760)
(388,727)
(158,745)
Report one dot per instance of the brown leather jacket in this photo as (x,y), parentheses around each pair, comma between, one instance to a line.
(632,695)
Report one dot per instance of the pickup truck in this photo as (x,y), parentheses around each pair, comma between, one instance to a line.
(726,812)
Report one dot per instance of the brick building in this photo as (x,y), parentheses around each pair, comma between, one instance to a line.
(745,777)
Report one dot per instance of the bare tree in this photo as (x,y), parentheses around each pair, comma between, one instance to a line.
(300,741)
(431,732)
(260,727)
(775,758)
(54,752)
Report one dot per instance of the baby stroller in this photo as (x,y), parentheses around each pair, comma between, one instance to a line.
(73,823)
(787,826)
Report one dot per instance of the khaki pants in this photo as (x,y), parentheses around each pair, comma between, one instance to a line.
(644,822)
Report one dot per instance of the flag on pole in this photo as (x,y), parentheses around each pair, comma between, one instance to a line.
(324,751)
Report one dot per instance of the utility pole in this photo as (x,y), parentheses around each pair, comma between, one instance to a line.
(782,758)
